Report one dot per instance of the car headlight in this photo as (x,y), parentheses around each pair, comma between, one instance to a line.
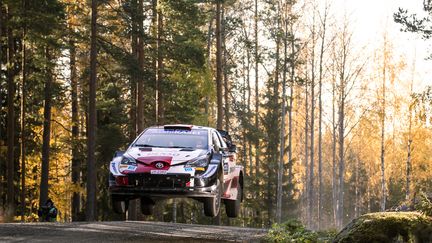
(201,161)
(127,161)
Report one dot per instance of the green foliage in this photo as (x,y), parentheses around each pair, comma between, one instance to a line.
(294,231)
(291,231)
(425,204)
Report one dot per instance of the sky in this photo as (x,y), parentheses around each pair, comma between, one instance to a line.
(371,17)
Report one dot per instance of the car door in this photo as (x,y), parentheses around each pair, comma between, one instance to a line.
(228,158)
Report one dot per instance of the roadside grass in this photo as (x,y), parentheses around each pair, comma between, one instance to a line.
(294,231)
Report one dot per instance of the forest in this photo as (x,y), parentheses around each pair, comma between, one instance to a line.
(327,129)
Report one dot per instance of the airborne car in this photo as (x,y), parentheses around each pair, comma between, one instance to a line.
(178,161)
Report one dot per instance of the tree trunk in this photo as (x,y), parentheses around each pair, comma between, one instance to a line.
(76,162)
(257,99)
(383,114)
(247,145)
(140,50)
(290,109)
(92,126)
(341,141)
(134,206)
(133,78)
(209,44)
(410,140)
(2,202)
(334,165)
(243,102)
(272,157)
(282,135)
(23,114)
(225,73)
(356,188)
(320,179)
(136,98)
(312,132)
(154,34)
(46,131)
(219,76)
(306,148)
(219,94)
(10,208)
(248,109)
(160,67)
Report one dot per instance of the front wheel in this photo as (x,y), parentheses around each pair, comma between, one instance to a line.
(212,204)
(119,204)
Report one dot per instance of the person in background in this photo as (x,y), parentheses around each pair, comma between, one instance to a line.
(48,212)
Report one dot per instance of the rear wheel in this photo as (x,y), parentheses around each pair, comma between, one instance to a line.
(119,205)
(212,204)
(147,206)
(233,206)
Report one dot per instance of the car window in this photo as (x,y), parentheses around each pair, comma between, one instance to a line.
(173,138)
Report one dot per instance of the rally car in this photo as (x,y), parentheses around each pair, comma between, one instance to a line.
(178,161)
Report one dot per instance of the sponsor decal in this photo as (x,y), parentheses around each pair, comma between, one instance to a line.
(132,167)
(188,169)
(169,154)
(225,166)
(174,131)
(113,167)
(158,172)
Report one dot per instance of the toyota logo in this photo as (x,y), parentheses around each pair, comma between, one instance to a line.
(159,165)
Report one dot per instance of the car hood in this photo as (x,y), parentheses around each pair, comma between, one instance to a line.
(174,155)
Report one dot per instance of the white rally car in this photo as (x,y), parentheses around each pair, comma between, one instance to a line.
(178,161)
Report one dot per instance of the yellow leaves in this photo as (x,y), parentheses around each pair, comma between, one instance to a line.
(60,186)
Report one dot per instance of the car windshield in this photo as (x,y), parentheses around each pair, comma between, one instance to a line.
(173,138)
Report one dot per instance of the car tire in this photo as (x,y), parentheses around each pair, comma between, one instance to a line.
(119,205)
(232,207)
(147,206)
(212,205)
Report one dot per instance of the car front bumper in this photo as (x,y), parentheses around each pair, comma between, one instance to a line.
(139,191)
(172,185)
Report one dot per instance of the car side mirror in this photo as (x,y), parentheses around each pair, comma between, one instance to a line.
(232,148)
(118,153)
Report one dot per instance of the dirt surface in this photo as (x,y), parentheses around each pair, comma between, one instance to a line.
(126,231)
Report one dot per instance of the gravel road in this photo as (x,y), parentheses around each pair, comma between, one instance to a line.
(126,231)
